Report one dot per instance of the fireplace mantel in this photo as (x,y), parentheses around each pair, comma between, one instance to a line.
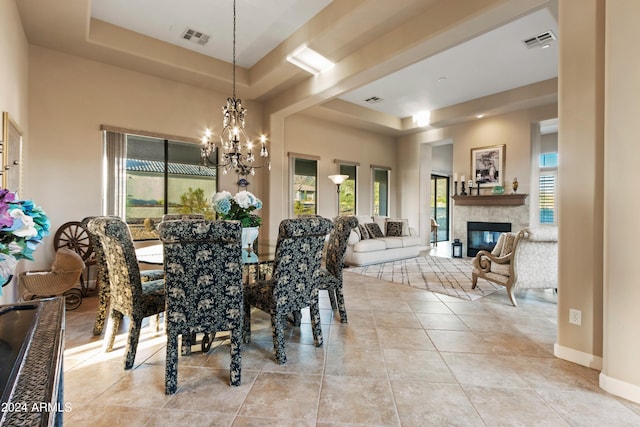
(491,200)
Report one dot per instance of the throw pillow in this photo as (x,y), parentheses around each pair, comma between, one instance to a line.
(403,222)
(364,234)
(374,230)
(394,229)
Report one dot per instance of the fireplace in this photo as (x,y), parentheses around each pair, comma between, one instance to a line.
(484,235)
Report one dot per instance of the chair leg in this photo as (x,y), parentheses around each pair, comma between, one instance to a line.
(235,369)
(171,364)
(113,324)
(342,308)
(246,336)
(314,311)
(188,338)
(132,342)
(332,299)
(512,297)
(474,280)
(278,323)
(103,301)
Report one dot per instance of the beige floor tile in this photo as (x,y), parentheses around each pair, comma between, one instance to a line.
(590,408)
(349,336)
(433,404)
(414,365)
(355,361)
(513,344)
(429,306)
(108,416)
(483,370)
(388,319)
(392,305)
(141,387)
(458,341)
(357,400)
(487,323)
(512,406)
(449,322)
(404,338)
(549,373)
(86,382)
(283,396)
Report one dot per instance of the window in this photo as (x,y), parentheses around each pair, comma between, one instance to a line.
(157,176)
(547,186)
(348,190)
(305,177)
(380,191)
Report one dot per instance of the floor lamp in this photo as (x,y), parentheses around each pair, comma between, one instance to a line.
(337,180)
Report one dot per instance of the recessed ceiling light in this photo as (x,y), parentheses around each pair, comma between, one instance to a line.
(442,79)
(479,116)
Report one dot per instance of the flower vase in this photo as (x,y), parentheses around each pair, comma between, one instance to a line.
(7,269)
(249,235)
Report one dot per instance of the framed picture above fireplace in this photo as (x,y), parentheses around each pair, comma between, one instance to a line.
(487,165)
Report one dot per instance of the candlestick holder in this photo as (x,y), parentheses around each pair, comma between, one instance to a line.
(462,190)
(455,188)
(478,188)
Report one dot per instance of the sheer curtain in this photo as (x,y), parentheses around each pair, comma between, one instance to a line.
(114,171)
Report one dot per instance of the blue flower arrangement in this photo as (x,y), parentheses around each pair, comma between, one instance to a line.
(23,225)
(238,207)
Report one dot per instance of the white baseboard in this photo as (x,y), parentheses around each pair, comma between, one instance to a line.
(620,388)
(576,356)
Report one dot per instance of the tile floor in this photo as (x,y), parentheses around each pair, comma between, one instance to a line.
(407,357)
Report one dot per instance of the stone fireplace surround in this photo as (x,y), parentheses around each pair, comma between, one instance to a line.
(518,216)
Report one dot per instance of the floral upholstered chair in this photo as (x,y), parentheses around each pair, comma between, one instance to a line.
(331,276)
(294,282)
(129,295)
(203,264)
(526,260)
(102,277)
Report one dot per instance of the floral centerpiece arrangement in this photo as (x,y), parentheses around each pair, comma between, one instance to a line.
(239,207)
(22,227)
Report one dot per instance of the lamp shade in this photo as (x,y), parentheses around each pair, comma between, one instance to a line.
(338,179)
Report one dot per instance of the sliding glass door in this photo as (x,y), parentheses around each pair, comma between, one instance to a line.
(440,205)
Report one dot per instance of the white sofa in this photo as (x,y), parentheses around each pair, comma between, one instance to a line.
(382,249)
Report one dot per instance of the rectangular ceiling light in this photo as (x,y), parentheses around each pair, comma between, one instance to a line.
(309,60)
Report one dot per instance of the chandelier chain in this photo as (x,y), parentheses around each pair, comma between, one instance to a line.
(234,49)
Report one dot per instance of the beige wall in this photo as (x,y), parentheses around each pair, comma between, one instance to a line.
(69,98)
(309,135)
(14,72)
(621,347)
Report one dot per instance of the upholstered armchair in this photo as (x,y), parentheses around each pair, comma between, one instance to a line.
(102,276)
(331,275)
(203,264)
(294,282)
(129,295)
(526,260)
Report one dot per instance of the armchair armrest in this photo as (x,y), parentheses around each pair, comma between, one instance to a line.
(483,260)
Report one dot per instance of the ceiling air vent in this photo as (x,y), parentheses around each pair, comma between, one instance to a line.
(373,100)
(195,36)
(540,40)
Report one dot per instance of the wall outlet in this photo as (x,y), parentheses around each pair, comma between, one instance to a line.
(575,316)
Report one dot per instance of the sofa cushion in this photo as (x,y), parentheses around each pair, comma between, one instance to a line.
(354,237)
(370,245)
(374,230)
(408,241)
(363,219)
(392,242)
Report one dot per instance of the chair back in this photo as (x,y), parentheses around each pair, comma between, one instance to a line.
(337,245)
(535,260)
(120,258)
(297,261)
(102,272)
(203,274)
(174,217)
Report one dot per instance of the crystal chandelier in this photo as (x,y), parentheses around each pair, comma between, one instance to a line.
(237,150)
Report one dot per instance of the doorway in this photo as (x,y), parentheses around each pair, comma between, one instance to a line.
(440,205)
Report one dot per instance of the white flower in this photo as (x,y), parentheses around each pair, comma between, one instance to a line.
(28,228)
(219,196)
(244,199)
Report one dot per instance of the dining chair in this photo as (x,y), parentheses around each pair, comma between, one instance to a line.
(102,276)
(203,264)
(294,281)
(331,274)
(130,296)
